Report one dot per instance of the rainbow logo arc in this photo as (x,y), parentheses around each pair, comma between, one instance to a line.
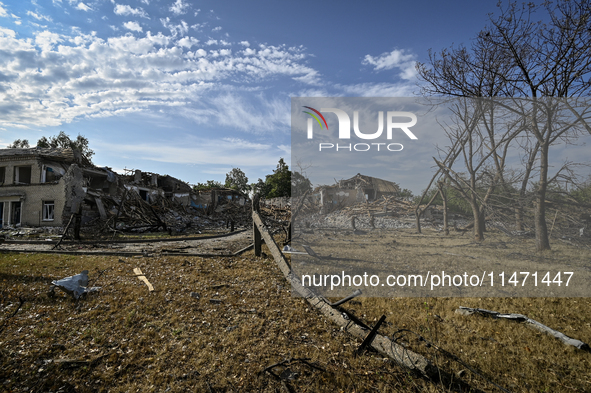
(315,117)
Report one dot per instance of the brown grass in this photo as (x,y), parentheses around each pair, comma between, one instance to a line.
(127,339)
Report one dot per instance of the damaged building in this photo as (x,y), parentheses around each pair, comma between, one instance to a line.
(46,187)
(41,187)
(359,188)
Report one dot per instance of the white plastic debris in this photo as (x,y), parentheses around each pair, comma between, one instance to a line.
(287,249)
(75,285)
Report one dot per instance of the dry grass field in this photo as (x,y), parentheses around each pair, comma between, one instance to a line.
(216,324)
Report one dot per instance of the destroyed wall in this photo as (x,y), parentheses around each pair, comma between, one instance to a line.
(74,192)
(334,197)
(151,185)
(214,200)
(176,190)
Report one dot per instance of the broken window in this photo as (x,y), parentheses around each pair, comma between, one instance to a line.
(2,174)
(144,195)
(48,209)
(22,174)
(50,175)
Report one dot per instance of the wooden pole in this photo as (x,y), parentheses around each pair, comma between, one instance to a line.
(256,234)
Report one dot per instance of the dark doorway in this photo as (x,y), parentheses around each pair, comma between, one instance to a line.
(16,213)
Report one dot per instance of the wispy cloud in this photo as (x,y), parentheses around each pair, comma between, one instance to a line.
(38,16)
(83,7)
(399,59)
(224,152)
(181,28)
(378,89)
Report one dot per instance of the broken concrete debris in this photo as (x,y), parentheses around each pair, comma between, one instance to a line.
(76,285)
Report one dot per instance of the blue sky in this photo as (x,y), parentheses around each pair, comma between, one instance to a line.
(193,89)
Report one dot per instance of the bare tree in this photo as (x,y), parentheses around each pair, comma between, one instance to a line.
(519,56)
(484,152)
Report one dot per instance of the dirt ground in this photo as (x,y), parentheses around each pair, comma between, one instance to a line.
(216,243)
(499,266)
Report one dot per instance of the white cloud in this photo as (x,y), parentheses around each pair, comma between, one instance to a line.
(83,7)
(7,33)
(38,16)
(379,89)
(55,78)
(3,12)
(218,28)
(400,59)
(223,152)
(180,29)
(46,40)
(179,8)
(121,9)
(188,42)
(133,26)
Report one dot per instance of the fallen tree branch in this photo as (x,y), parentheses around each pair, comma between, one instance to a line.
(522,318)
(21,301)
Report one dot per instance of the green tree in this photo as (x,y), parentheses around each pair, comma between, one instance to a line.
(237,180)
(279,183)
(19,144)
(260,188)
(62,140)
(406,194)
(209,185)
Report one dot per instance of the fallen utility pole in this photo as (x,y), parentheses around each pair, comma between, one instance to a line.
(533,323)
(401,355)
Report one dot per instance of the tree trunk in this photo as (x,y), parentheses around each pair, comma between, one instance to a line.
(482,222)
(478,221)
(519,216)
(542,241)
(444,198)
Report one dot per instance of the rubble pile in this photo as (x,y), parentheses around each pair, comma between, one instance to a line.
(133,214)
(388,212)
